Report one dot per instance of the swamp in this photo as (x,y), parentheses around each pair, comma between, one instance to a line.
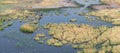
(59,26)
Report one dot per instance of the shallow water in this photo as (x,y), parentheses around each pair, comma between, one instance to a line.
(14,41)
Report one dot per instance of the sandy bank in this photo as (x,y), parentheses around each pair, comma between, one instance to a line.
(107,4)
(53,4)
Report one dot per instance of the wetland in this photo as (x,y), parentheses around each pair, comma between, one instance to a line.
(59,26)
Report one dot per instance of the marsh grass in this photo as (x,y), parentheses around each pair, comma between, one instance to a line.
(28,28)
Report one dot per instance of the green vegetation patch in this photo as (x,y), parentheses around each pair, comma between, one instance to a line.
(72,33)
(28,28)
(109,15)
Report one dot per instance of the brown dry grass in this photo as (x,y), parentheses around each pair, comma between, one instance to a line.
(111,1)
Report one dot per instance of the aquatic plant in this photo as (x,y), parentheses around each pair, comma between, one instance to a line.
(1,28)
(58,44)
(84,37)
(54,42)
(73,20)
(109,15)
(75,46)
(40,35)
(36,38)
(71,33)
(10,23)
(1,22)
(28,28)
(8,16)
(116,22)
(40,38)
(66,14)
